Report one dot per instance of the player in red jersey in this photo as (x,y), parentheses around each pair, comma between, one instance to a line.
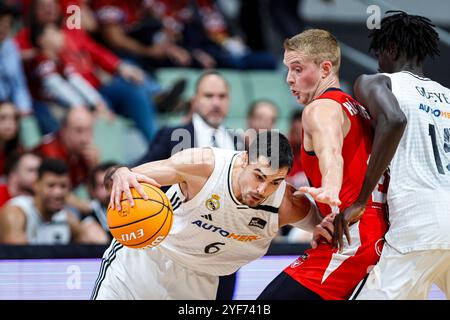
(337,141)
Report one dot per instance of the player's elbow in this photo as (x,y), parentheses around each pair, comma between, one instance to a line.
(395,122)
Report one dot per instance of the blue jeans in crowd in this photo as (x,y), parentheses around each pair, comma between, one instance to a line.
(132,101)
(46,120)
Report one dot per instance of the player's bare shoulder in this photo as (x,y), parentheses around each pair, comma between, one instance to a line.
(365,81)
(320,111)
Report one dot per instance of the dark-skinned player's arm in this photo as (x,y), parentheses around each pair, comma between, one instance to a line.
(389,122)
(185,166)
(323,123)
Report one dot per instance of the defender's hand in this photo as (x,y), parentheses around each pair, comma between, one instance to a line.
(324,229)
(342,221)
(323,195)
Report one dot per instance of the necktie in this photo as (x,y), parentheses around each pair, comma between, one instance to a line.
(213,140)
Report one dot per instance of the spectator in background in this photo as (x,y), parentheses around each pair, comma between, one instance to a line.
(88,20)
(74,144)
(43,219)
(262,115)
(210,106)
(61,81)
(128,91)
(36,12)
(87,16)
(13,85)
(21,172)
(9,132)
(134,31)
(99,195)
(203,29)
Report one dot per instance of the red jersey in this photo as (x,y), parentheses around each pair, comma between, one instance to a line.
(53,147)
(80,51)
(356,151)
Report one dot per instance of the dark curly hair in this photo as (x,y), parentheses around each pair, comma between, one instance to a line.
(414,36)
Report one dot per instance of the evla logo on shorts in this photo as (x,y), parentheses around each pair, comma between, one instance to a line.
(298,262)
(213,203)
(258,222)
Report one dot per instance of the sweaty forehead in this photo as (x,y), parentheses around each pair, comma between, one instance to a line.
(271,173)
(295,57)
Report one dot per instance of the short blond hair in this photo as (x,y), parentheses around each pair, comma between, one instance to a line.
(318,44)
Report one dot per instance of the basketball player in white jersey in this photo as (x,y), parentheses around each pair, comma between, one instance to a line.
(228,206)
(412,133)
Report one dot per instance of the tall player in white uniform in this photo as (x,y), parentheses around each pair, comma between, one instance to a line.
(412,133)
(228,206)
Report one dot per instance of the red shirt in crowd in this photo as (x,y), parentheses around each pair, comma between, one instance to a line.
(80,51)
(4,194)
(53,147)
(127,13)
(64,4)
(173,14)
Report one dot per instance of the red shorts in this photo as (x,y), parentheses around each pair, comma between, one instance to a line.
(334,275)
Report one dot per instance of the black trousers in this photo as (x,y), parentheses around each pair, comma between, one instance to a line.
(225,291)
(284,287)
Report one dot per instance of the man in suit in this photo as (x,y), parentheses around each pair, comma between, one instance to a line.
(210,106)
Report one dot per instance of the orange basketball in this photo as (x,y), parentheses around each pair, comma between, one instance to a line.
(146,224)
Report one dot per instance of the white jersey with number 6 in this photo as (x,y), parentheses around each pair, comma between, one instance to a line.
(419,191)
(213,232)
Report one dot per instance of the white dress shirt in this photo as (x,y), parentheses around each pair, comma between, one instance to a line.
(204,134)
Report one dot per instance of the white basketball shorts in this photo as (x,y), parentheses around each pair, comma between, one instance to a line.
(400,276)
(148,274)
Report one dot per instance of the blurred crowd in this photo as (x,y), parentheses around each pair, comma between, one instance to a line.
(68,63)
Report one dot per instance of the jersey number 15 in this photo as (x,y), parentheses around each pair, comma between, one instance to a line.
(436,153)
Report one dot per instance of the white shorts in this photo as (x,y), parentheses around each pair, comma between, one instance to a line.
(400,276)
(128,274)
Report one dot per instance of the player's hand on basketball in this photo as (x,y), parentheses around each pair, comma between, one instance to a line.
(342,222)
(124,179)
(323,195)
(324,230)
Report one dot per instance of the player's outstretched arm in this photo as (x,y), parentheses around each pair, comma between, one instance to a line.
(389,122)
(323,122)
(298,210)
(187,166)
